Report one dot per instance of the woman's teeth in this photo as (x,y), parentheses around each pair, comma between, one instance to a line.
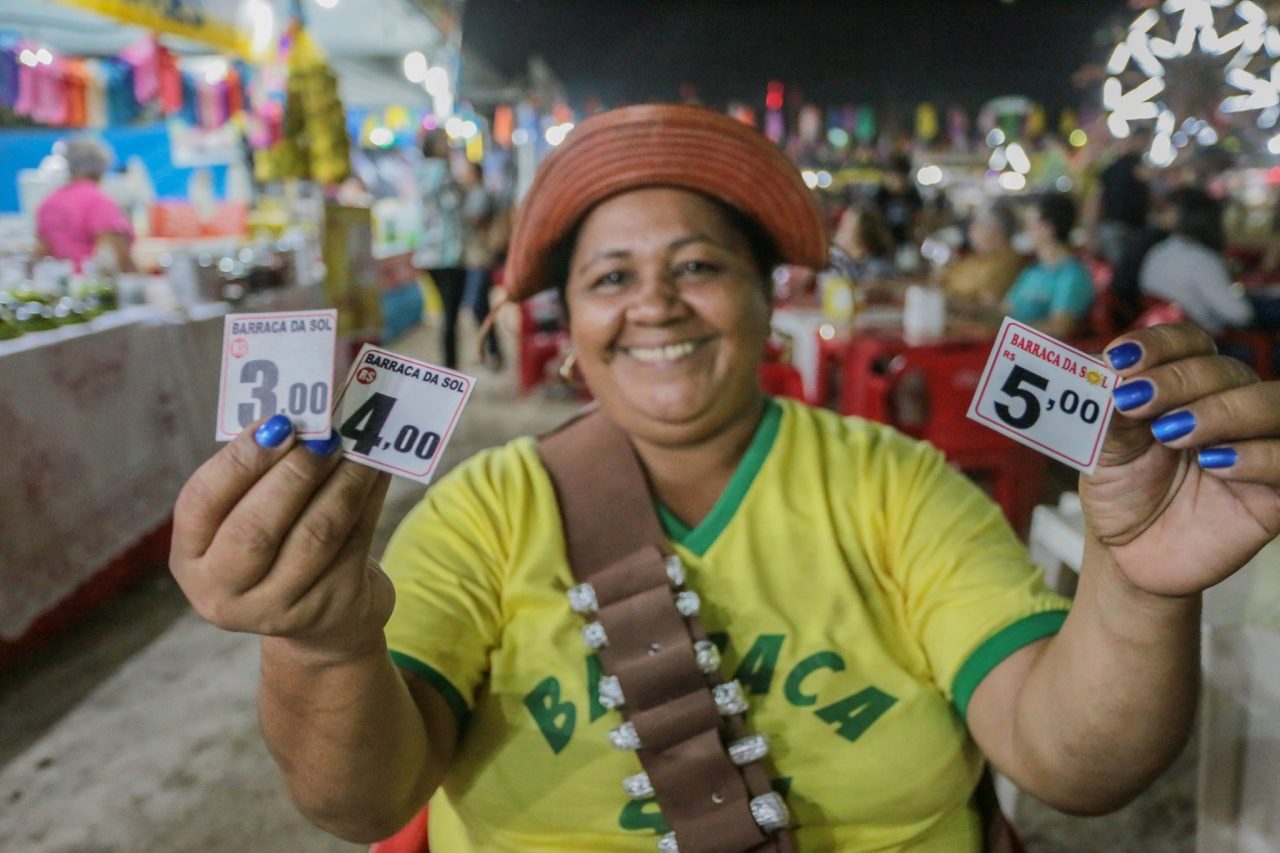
(673,352)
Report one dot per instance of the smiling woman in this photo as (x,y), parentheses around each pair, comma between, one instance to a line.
(698,618)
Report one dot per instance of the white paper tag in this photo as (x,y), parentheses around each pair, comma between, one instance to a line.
(397,414)
(277,364)
(1046,395)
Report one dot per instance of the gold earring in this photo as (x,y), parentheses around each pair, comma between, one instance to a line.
(568,367)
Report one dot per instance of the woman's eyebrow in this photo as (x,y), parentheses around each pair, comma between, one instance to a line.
(623,254)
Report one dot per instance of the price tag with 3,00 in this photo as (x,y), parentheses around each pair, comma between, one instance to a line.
(1046,395)
(277,364)
(396,414)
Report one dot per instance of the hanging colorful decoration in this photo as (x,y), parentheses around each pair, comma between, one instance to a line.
(926,123)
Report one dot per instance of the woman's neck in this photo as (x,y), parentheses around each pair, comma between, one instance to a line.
(689,478)
(1053,254)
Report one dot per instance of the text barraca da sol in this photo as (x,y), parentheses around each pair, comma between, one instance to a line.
(283,325)
(413,371)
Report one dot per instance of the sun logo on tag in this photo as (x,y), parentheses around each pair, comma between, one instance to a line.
(239,348)
(365,375)
(1093,377)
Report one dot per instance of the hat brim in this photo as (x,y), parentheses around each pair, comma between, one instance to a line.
(667,145)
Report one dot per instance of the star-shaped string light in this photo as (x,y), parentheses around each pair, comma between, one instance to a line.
(1187,61)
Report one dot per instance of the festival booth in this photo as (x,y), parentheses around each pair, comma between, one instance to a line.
(230,139)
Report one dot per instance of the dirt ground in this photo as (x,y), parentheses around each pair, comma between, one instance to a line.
(137,730)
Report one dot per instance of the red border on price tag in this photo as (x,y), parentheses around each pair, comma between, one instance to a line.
(333,365)
(435,460)
(1004,429)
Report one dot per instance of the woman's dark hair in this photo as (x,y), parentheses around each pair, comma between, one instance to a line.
(1004,217)
(1199,217)
(1059,211)
(764,252)
(873,233)
(432,142)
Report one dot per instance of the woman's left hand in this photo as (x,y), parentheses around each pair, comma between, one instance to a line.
(1187,488)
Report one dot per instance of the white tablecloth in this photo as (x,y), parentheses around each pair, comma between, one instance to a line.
(101,425)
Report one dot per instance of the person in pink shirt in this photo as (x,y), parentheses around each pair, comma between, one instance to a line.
(75,220)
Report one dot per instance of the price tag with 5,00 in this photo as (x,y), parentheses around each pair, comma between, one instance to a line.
(1046,395)
(396,414)
(277,364)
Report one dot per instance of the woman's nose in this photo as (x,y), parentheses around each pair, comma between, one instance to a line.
(657,299)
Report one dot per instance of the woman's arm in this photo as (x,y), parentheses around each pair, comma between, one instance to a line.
(1085,720)
(1187,491)
(271,537)
(362,745)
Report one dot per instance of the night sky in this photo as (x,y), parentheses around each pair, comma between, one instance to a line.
(884,52)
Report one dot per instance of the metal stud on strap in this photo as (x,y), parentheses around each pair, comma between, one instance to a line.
(625,736)
(770,812)
(744,751)
(611,692)
(748,749)
(593,634)
(638,786)
(675,570)
(708,656)
(582,598)
(729,698)
(687,603)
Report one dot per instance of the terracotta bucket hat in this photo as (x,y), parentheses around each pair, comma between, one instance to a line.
(662,145)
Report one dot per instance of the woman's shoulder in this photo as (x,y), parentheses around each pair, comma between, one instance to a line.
(860,441)
(499,474)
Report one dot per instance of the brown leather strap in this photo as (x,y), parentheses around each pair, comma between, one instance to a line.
(615,541)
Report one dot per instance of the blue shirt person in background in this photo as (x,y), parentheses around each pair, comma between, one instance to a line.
(1055,293)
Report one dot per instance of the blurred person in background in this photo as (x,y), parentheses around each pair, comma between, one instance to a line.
(479,219)
(1120,201)
(1054,293)
(1188,267)
(865,245)
(899,202)
(985,275)
(439,250)
(78,221)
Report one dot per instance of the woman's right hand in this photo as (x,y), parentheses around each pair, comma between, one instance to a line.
(271,536)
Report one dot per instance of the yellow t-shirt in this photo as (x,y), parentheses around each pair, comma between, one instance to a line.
(861,589)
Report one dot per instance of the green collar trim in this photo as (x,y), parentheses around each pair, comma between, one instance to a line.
(699,539)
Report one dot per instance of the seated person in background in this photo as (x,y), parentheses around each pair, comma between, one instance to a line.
(1188,267)
(985,275)
(865,244)
(1054,293)
(79,221)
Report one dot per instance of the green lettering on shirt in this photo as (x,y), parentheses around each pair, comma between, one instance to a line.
(594,672)
(720,639)
(757,666)
(642,815)
(802,670)
(856,713)
(554,718)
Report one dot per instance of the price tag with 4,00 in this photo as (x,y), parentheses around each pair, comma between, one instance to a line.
(277,364)
(1046,395)
(396,414)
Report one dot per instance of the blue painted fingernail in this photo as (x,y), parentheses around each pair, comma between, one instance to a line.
(324,446)
(1173,427)
(274,431)
(1217,457)
(1133,394)
(1126,355)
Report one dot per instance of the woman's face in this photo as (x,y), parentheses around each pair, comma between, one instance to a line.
(848,233)
(985,235)
(668,314)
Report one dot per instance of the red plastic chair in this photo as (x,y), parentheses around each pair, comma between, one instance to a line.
(411,839)
(925,392)
(1101,312)
(542,339)
(781,380)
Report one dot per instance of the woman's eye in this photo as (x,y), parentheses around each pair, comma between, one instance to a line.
(696,268)
(610,279)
